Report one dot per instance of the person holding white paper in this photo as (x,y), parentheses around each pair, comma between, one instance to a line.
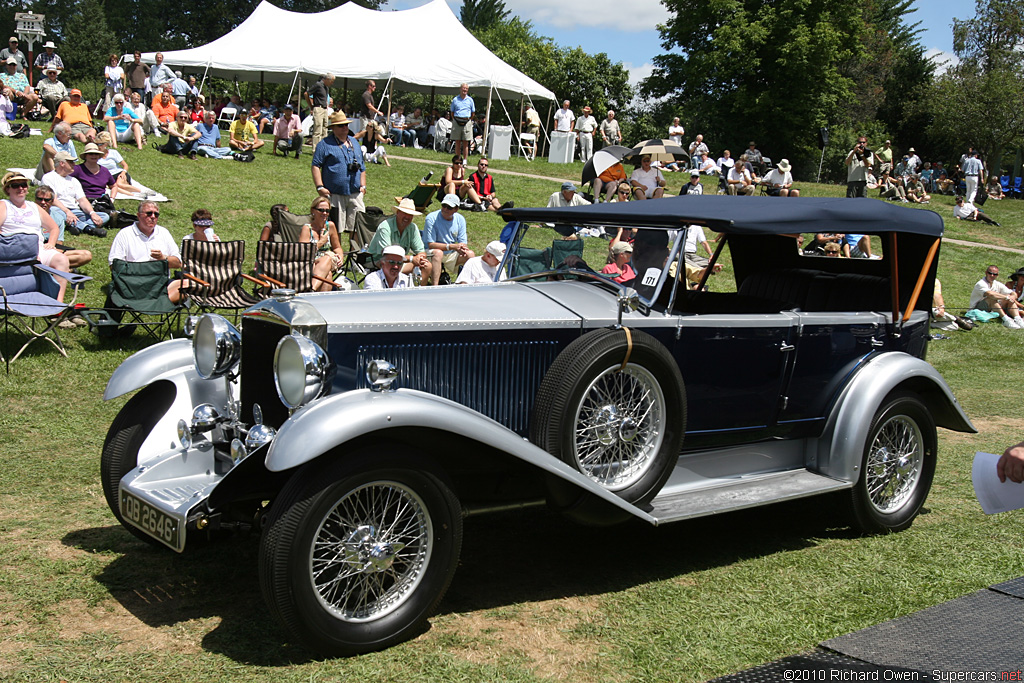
(1011,464)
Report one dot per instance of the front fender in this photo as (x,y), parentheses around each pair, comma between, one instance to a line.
(333,421)
(148,365)
(841,448)
(170,364)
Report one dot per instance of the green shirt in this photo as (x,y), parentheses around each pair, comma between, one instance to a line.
(387,234)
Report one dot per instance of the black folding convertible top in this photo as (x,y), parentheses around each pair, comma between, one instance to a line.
(747,215)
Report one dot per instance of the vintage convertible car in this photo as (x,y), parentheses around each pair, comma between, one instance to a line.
(353,431)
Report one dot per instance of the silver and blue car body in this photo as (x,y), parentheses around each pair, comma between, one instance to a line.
(646,400)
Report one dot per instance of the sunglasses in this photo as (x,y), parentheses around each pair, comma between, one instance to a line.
(323,210)
(44,200)
(392,262)
(154,214)
(992,274)
(19,185)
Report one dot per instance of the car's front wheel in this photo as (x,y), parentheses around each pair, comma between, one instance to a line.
(897,466)
(357,556)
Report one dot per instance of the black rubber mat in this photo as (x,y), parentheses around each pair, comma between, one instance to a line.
(1014,588)
(982,631)
(820,665)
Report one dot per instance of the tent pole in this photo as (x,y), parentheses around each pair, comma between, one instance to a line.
(433,89)
(487,121)
(291,92)
(547,126)
(344,96)
(261,87)
(202,83)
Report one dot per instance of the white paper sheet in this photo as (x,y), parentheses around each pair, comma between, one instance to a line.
(994,495)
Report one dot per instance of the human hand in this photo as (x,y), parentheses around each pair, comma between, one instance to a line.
(1011,464)
(156,255)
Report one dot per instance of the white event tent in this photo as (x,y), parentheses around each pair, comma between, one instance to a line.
(423,49)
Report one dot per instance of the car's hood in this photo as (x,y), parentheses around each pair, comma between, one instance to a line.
(469,307)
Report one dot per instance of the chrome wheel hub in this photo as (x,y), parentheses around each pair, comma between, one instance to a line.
(618,426)
(894,463)
(371,551)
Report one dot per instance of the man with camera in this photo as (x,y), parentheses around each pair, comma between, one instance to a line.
(858,162)
(339,172)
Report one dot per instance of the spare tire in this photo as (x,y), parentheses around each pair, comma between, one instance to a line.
(613,406)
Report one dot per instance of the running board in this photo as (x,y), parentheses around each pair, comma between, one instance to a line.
(744,492)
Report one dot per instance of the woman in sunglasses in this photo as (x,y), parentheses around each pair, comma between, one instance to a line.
(324,233)
(17,215)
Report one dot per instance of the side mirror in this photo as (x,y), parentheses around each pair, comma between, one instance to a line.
(628,299)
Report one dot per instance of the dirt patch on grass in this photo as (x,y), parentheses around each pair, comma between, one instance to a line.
(988,426)
(75,619)
(547,633)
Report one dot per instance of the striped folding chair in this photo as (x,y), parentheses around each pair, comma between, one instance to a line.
(283,265)
(212,275)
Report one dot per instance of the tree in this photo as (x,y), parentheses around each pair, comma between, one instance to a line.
(482,14)
(767,70)
(85,58)
(980,101)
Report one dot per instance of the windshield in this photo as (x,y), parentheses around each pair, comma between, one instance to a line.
(635,257)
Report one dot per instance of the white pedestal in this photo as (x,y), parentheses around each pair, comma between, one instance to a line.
(563,147)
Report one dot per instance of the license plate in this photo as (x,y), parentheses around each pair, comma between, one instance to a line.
(154,522)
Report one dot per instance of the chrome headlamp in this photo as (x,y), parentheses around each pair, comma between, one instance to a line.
(302,371)
(216,346)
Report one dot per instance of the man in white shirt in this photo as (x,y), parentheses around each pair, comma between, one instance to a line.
(585,126)
(966,211)
(780,181)
(481,269)
(144,240)
(695,236)
(390,275)
(647,182)
(739,181)
(990,294)
(566,197)
(68,191)
(564,118)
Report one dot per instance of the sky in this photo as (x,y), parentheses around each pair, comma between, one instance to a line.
(628,33)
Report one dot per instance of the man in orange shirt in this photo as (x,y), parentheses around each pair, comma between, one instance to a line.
(76,114)
(611,178)
(165,110)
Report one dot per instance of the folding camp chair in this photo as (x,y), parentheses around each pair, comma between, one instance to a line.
(563,249)
(443,136)
(137,298)
(227,117)
(358,262)
(529,261)
(212,275)
(422,195)
(290,225)
(283,265)
(28,290)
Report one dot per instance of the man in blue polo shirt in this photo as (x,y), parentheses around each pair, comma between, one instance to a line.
(463,109)
(339,172)
(209,138)
(444,234)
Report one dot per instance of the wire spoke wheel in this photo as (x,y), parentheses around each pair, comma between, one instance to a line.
(894,463)
(898,465)
(370,551)
(618,426)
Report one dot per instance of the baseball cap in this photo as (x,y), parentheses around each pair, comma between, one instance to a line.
(568,186)
(450,200)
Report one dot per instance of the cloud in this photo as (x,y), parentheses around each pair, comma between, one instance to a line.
(638,73)
(637,15)
(943,60)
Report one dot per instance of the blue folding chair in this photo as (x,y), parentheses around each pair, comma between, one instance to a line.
(1016,192)
(28,291)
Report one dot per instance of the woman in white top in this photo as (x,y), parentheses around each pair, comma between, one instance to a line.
(676,132)
(202,227)
(17,215)
(113,83)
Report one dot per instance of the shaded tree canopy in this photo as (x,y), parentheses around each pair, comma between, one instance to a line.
(775,71)
(481,14)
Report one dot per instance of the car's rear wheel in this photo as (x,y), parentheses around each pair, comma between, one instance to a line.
(613,407)
(897,466)
(125,437)
(357,556)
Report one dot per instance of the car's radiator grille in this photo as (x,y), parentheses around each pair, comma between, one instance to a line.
(497,379)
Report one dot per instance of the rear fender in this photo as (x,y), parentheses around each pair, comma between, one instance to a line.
(339,419)
(839,452)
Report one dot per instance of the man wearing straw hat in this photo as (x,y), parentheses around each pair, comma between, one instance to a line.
(339,172)
(401,231)
(51,91)
(48,59)
(585,126)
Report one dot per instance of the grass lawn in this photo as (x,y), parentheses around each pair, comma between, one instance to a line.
(535,597)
